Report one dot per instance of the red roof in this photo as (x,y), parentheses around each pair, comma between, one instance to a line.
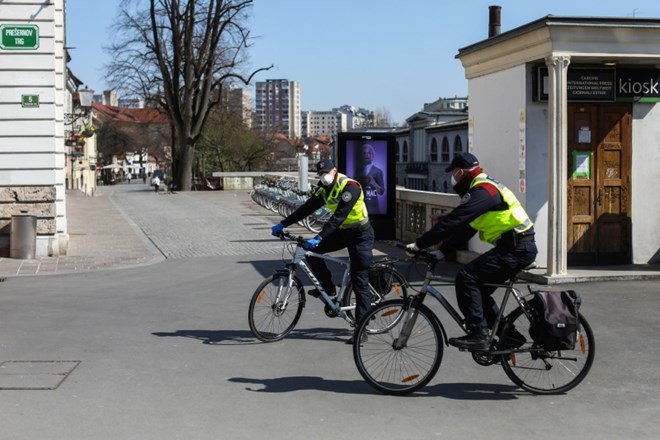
(132,115)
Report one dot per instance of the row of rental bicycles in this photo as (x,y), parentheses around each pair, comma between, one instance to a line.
(398,347)
(282,196)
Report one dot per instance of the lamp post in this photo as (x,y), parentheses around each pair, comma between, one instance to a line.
(73,160)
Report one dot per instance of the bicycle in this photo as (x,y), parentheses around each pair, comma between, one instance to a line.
(277,304)
(405,354)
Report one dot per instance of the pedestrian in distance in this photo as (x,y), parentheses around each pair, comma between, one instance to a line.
(492,210)
(156,183)
(348,227)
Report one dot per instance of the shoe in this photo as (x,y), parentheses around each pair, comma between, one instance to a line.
(317,294)
(352,338)
(473,341)
(514,339)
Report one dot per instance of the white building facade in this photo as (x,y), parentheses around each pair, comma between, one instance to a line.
(32,108)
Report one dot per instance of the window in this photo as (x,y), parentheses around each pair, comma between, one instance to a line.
(397,153)
(445,150)
(405,151)
(458,145)
(434,150)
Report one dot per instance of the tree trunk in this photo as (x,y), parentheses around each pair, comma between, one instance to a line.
(184,164)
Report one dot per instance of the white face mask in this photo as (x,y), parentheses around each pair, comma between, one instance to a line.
(453,181)
(327,179)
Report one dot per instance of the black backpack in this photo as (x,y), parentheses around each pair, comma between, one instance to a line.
(555,319)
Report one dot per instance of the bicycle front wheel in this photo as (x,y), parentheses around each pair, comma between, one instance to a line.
(385,366)
(545,372)
(275,308)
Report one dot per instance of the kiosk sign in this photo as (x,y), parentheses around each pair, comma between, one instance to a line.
(19,37)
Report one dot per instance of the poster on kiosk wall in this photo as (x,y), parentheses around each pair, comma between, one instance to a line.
(369,159)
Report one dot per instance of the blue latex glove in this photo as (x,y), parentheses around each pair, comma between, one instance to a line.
(312,243)
(277,229)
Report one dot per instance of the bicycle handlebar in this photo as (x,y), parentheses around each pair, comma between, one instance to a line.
(421,254)
(285,235)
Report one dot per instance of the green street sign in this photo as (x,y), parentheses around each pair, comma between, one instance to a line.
(19,37)
(29,100)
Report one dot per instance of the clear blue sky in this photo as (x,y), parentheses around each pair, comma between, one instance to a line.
(375,54)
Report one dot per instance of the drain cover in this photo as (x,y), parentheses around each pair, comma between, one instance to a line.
(34,375)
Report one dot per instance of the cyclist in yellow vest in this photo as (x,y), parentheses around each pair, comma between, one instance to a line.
(492,210)
(348,227)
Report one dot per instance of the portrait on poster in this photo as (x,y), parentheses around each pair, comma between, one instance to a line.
(366,162)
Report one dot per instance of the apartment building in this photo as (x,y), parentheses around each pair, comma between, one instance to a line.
(277,107)
(238,101)
(317,123)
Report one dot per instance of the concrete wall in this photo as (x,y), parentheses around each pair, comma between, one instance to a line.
(415,208)
(496,141)
(645,175)
(536,200)
(31,138)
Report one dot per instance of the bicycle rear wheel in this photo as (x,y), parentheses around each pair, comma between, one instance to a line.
(275,308)
(389,285)
(545,372)
(397,371)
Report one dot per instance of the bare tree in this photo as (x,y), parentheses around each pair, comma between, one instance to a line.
(380,118)
(181,53)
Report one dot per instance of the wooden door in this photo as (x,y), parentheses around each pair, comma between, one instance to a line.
(599,152)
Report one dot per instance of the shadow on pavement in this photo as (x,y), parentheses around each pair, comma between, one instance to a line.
(241,337)
(456,391)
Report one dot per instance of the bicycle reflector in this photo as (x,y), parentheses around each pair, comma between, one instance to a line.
(389,313)
(261,296)
(409,378)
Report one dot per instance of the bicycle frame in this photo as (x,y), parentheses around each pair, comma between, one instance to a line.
(427,288)
(298,261)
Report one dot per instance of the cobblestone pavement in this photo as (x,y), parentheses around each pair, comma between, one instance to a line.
(199,224)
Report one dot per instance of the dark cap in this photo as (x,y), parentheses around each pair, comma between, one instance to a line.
(324,166)
(464,161)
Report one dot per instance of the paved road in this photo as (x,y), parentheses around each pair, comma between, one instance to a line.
(163,351)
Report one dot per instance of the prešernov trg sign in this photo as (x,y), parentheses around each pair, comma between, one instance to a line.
(19,37)
(607,84)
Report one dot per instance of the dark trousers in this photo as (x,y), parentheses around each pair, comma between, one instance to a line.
(360,245)
(495,266)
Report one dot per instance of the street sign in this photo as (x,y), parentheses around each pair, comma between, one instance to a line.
(19,37)
(29,100)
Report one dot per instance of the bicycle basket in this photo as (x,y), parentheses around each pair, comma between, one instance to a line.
(380,279)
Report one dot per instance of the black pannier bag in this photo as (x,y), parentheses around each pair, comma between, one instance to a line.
(555,321)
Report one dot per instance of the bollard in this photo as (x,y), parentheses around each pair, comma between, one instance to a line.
(23,237)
